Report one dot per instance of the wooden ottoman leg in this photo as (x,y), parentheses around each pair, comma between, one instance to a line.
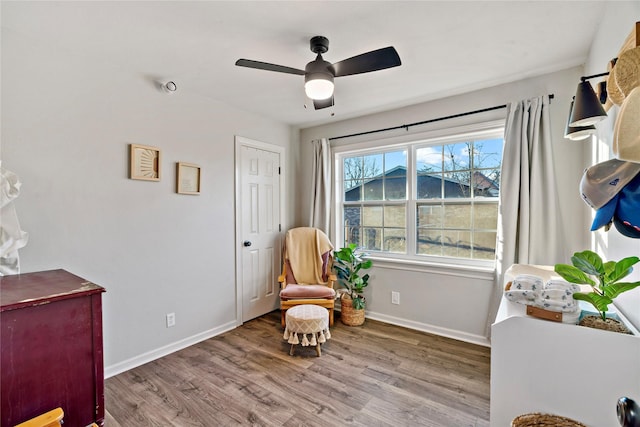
(291,350)
(318,349)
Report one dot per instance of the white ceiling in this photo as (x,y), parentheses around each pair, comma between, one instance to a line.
(446,47)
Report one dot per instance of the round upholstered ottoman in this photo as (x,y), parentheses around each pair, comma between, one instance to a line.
(307,324)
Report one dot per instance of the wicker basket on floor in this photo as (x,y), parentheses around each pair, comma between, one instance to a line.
(348,315)
(544,420)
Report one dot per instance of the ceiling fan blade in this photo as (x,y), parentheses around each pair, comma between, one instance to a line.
(322,103)
(269,67)
(380,59)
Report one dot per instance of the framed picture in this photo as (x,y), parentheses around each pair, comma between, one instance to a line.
(187,178)
(144,162)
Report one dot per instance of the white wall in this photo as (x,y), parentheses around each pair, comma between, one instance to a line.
(439,299)
(615,27)
(66,126)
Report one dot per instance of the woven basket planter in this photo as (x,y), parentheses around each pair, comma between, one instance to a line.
(544,420)
(348,315)
(609,324)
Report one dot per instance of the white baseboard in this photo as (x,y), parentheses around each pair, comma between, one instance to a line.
(115,369)
(436,330)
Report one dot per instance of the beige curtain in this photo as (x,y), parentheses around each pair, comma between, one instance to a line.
(529,228)
(320,212)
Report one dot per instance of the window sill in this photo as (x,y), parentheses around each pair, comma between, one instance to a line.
(451,269)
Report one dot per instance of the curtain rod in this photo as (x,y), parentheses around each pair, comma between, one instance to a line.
(407,126)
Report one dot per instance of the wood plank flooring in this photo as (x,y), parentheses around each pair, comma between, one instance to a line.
(373,375)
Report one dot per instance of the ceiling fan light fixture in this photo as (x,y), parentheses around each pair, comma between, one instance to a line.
(319,74)
(319,88)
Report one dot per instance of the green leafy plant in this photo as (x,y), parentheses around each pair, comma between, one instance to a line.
(603,277)
(348,263)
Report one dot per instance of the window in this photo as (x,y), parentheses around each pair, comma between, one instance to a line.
(435,197)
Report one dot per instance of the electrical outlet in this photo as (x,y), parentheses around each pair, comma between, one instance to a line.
(395,297)
(171,320)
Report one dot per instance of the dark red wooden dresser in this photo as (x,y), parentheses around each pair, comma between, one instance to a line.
(51,348)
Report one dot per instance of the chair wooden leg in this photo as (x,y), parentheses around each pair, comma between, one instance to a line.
(330,316)
(284,312)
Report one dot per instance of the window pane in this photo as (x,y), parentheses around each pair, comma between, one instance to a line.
(395,240)
(352,168)
(429,186)
(371,166)
(457,184)
(395,216)
(395,188)
(486,183)
(372,238)
(373,189)
(457,156)
(457,216)
(395,163)
(353,236)
(456,243)
(485,215)
(484,245)
(430,216)
(429,242)
(429,160)
(352,224)
(352,190)
(372,216)
(352,217)
(487,153)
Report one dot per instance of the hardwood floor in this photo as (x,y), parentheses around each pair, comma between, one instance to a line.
(373,375)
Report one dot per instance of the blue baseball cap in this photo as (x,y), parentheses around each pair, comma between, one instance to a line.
(623,210)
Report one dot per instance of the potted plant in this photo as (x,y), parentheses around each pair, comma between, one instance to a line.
(604,279)
(348,263)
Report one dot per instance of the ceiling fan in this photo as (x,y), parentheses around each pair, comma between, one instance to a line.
(319,74)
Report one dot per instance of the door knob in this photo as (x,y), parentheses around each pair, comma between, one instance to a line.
(247,243)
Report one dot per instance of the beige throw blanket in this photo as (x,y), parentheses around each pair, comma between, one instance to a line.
(304,247)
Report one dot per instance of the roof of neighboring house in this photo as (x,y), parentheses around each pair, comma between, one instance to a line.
(480,181)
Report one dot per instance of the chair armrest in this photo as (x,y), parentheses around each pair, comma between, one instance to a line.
(281,280)
(332,279)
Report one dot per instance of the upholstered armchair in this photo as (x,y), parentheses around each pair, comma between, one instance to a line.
(306,271)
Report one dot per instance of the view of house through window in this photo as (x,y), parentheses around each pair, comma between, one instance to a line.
(425,198)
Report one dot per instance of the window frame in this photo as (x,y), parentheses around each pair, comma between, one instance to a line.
(412,142)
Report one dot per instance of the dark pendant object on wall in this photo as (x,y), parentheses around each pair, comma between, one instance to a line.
(628,412)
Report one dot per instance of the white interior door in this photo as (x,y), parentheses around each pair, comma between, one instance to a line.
(258,233)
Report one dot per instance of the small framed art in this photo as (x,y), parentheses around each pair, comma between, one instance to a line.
(187,178)
(144,162)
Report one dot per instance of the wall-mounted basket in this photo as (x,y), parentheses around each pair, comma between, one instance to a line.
(615,94)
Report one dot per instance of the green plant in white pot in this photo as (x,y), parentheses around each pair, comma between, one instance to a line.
(348,264)
(604,278)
